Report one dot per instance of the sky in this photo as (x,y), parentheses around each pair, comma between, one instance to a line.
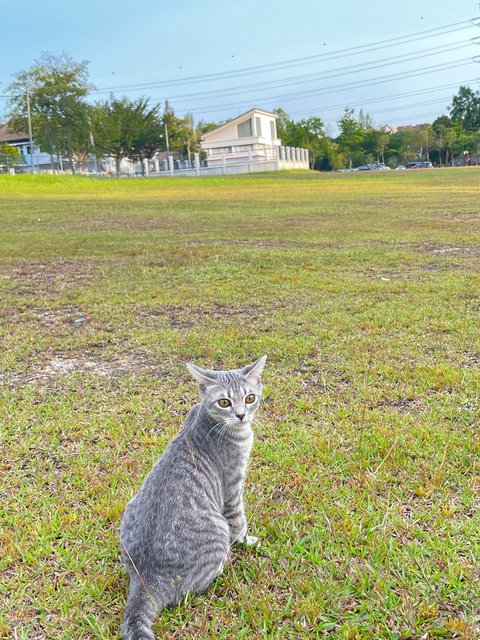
(400,61)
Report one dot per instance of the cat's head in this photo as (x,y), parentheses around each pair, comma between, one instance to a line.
(230,396)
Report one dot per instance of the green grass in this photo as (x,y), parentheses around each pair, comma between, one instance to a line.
(363,485)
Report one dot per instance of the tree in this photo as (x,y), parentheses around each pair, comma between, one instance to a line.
(9,156)
(204,127)
(441,128)
(408,144)
(426,138)
(466,109)
(330,157)
(181,133)
(201,128)
(450,138)
(126,128)
(375,142)
(351,134)
(365,120)
(57,86)
(284,125)
(307,133)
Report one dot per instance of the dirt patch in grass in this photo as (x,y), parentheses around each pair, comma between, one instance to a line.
(471,358)
(44,316)
(388,274)
(462,217)
(402,405)
(446,266)
(263,243)
(180,317)
(50,367)
(118,222)
(48,278)
(449,250)
(434,248)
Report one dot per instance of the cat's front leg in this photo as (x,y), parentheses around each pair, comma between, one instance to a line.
(238,526)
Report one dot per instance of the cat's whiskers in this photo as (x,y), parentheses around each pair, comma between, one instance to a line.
(224,431)
(217,424)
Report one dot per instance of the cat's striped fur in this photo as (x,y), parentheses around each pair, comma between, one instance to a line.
(177,531)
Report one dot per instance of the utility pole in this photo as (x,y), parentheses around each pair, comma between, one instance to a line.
(92,143)
(166,138)
(30,135)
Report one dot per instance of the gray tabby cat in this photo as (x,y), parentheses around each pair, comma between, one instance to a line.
(176,532)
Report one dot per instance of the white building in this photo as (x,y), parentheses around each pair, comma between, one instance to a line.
(251,138)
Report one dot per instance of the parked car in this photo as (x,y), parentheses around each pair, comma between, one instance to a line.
(419,165)
(400,167)
(372,166)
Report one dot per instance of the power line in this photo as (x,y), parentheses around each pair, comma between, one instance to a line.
(343,87)
(456,26)
(412,105)
(391,97)
(382,44)
(323,75)
(417,116)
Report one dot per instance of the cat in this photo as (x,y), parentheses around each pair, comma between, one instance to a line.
(176,532)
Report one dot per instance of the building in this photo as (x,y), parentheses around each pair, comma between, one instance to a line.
(22,142)
(251,138)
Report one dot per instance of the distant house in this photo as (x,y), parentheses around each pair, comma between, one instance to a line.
(22,143)
(411,127)
(253,135)
(250,137)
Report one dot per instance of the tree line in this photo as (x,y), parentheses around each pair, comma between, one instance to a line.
(359,141)
(67,125)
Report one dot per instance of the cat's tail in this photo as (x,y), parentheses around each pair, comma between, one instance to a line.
(140,613)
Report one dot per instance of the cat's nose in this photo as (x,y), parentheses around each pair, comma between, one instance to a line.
(240,416)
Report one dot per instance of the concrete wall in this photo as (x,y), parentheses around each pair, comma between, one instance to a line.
(232,169)
(293,158)
(286,158)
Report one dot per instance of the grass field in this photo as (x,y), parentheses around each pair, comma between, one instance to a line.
(364,482)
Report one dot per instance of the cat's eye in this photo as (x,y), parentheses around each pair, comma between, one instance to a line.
(250,398)
(224,403)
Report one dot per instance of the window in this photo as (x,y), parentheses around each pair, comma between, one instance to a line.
(273,133)
(244,147)
(258,127)
(244,129)
(220,150)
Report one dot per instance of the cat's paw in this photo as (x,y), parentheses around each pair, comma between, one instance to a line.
(250,541)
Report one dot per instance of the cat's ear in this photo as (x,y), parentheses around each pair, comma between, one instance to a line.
(204,377)
(253,372)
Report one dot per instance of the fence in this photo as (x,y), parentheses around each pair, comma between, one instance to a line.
(278,158)
(285,158)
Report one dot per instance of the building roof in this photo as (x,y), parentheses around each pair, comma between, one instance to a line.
(7,135)
(406,127)
(238,119)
